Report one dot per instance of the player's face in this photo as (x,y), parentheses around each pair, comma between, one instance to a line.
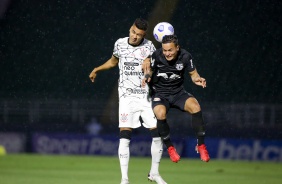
(136,35)
(170,51)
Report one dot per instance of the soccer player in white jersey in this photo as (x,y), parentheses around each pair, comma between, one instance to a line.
(134,102)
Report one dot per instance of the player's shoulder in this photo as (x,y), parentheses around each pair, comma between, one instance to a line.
(158,52)
(184,52)
(185,55)
(157,56)
(122,40)
(147,43)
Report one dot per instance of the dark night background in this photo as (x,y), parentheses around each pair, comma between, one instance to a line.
(48,48)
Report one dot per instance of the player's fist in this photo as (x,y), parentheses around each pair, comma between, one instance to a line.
(92,75)
(147,79)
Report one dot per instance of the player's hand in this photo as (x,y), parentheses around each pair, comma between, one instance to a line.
(93,75)
(200,81)
(146,79)
(146,65)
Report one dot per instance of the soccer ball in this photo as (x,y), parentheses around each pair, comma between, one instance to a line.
(162,29)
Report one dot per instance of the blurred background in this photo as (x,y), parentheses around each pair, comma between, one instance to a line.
(49,48)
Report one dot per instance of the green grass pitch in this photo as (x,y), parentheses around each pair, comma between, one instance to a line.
(57,169)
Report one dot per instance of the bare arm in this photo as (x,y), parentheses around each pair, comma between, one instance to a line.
(197,79)
(146,66)
(112,62)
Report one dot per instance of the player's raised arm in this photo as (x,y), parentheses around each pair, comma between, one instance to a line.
(200,81)
(112,62)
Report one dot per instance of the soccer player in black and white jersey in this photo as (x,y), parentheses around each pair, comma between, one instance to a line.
(169,65)
(129,54)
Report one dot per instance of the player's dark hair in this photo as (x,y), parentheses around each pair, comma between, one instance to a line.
(141,24)
(170,39)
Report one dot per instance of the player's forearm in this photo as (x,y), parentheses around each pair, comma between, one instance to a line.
(194,75)
(101,68)
(106,66)
(146,66)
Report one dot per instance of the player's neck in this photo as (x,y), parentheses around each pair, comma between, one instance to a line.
(136,44)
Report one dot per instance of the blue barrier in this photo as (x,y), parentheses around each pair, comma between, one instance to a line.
(219,148)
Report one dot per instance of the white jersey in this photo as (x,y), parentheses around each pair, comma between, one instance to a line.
(130,67)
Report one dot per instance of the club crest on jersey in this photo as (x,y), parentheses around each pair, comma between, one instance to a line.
(143,53)
(179,66)
(123,117)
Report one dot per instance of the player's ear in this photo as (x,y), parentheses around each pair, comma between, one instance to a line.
(177,47)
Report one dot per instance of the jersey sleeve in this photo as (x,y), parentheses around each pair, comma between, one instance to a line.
(152,49)
(115,51)
(153,59)
(190,66)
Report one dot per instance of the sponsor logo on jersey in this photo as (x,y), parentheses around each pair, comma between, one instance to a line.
(168,75)
(133,73)
(160,66)
(164,75)
(131,64)
(156,99)
(174,76)
(136,91)
(129,90)
(179,66)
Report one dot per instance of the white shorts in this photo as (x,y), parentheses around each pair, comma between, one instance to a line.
(131,109)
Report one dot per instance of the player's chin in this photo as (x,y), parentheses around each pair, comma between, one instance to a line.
(133,42)
(169,58)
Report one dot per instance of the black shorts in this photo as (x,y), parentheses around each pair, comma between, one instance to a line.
(175,101)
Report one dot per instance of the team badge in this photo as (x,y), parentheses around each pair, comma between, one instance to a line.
(143,53)
(179,66)
(123,117)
